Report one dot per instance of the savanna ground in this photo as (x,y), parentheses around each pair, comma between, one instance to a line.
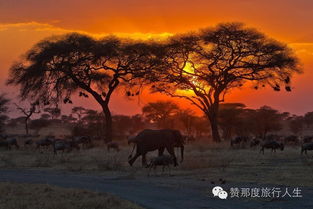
(203,162)
(41,196)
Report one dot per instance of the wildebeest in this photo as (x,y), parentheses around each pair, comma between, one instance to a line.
(4,143)
(255,142)
(28,142)
(113,145)
(11,142)
(292,140)
(306,146)
(163,160)
(85,141)
(239,140)
(46,142)
(150,140)
(272,145)
(64,146)
(307,139)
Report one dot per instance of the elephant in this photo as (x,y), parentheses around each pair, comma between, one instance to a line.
(150,140)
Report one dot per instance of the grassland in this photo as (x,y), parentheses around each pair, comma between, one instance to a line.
(202,161)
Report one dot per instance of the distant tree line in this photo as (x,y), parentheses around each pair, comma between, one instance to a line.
(235,119)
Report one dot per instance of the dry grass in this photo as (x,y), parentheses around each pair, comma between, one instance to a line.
(202,161)
(38,196)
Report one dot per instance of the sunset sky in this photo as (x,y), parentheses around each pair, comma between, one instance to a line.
(25,22)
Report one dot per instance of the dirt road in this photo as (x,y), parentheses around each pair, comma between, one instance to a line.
(164,192)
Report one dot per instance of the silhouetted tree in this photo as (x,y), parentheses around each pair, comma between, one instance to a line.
(212,62)
(308,119)
(296,124)
(137,124)
(79,112)
(28,112)
(3,110)
(54,112)
(230,118)
(161,113)
(38,124)
(54,69)
(266,120)
(68,119)
(187,119)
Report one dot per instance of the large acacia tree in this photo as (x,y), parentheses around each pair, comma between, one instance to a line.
(202,67)
(56,68)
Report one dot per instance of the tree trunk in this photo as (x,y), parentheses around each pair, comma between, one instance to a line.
(108,123)
(26,126)
(213,118)
(214,128)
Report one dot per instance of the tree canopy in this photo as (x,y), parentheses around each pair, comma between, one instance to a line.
(215,60)
(56,68)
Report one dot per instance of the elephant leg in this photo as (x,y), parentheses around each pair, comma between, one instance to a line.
(161,151)
(172,153)
(133,159)
(143,160)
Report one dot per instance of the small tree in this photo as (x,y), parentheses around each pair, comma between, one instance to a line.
(54,112)
(79,112)
(308,119)
(161,113)
(28,112)
(187,119)
(296,124)
(230,118)
(267,119)
(203,67)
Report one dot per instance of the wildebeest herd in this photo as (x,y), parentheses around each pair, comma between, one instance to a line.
(150,140)
(273,142)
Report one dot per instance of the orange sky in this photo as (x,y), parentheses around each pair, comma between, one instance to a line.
(24,22)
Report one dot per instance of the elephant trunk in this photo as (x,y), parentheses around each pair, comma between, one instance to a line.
(182,153)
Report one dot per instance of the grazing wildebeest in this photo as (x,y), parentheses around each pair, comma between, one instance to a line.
(63,145)
(28,142)
(239,140)
(11,142)
(307,139)
(113,145)
(163,160)
(4,143)
(272,145)
(8,142)
(46,142)
(306,146)
(85,141)
(150,140)
(292,140)
(255,142)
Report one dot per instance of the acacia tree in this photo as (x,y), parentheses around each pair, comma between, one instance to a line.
(161,113)
(308,119)
(208,64)
(54,112)
(296,124)
(266,120)
(229,118)
(28,112)
(79,112)
(56,68)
